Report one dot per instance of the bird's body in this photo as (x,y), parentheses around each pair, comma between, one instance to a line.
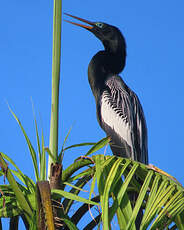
(119,111)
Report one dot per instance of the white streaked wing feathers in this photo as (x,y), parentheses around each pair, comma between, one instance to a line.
(121,110)
(113,119)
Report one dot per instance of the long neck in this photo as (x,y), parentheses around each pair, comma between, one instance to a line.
(106,63)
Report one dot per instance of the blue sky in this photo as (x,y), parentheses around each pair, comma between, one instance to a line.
(154,70)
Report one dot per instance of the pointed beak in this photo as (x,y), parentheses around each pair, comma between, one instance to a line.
(82,20)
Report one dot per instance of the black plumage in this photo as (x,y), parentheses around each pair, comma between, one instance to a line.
(119,111)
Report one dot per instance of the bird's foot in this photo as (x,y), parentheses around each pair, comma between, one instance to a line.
(86,157)
(150,166)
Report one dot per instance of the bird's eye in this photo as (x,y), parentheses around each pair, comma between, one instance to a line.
(99,24)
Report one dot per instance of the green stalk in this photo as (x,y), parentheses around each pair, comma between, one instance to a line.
(56,53)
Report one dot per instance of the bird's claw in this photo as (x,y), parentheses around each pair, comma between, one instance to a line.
(156,169)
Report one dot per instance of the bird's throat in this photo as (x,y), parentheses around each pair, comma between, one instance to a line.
(103,65)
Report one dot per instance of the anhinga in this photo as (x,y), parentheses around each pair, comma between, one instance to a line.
(119,111)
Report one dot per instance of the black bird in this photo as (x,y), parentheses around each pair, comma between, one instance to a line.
(119,111)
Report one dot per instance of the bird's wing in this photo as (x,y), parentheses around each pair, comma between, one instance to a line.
(140,130)
(122,118)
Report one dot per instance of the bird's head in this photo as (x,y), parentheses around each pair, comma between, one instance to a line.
(109,35)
